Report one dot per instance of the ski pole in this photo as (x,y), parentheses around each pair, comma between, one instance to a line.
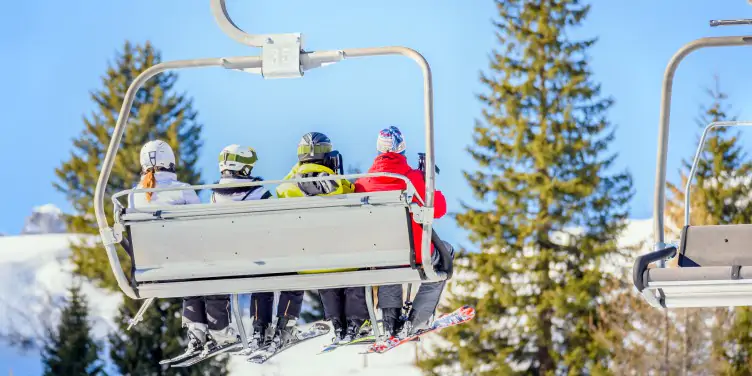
(139,315)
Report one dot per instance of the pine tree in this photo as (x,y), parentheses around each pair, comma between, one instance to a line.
(71,350)
(550,211)
(158,113)
(720,195)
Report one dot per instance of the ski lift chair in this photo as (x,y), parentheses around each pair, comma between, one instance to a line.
(191,250)
(714,266)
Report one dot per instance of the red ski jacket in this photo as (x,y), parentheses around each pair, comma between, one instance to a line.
(397,163)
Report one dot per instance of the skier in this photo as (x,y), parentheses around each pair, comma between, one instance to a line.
(391,146)
(345,308)
(158,171)
(235,165)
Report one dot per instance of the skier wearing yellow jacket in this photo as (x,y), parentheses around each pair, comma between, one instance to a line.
(344,307)
(315,158)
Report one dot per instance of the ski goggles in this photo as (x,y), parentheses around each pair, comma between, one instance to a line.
(229,157)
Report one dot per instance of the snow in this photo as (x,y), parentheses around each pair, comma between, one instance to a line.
(35,273)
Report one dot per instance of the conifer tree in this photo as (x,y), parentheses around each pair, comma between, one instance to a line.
(70,349)
(720,195)
(158,112)
(551,208)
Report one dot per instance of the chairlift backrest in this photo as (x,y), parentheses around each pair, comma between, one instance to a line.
(227,242)
(717,245)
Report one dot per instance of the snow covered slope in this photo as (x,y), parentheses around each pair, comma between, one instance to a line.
(35,274)
(34,270)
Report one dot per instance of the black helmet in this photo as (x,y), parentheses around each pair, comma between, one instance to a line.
(316,147)
(313,147)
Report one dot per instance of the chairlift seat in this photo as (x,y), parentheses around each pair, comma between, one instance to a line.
(714,268)
(264,245)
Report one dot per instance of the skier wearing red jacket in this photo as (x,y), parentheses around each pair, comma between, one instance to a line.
(391,158)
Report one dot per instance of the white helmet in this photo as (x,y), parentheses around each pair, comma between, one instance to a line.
(236,158)
(157,154)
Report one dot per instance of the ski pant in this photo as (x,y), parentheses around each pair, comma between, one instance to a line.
(213,310)
(262,305)
(426,300)
(344,303)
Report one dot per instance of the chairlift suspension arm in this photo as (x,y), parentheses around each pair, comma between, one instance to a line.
(276,64)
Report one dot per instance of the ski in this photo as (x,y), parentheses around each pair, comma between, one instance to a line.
(181,357)
(365,340)
(264,353)
(459,316)
(200,357)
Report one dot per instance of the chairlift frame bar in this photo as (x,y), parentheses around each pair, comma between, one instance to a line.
(307,60)
(665,115)
(410,190)
(662,150)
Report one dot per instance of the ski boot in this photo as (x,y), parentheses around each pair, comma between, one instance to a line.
(354,329)
(195,345)
(259,338)
(284,333)
(226,336)
(393,322)
(339,330)
(196,337)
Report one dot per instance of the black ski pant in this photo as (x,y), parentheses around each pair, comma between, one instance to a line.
(213,310)
(262,305)
(344,303)
(426,300)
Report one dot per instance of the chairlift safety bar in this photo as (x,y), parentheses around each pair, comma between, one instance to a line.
(698,156)
(282,57)
(410,191)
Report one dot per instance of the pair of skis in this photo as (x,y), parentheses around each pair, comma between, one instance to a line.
(365,340)
(258,356)
(190,358)
(264,353)
(459,316)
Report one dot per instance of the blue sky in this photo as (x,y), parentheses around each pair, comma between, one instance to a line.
(55,52)
(59,51)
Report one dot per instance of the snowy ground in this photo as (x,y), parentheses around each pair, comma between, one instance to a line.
(35,272)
